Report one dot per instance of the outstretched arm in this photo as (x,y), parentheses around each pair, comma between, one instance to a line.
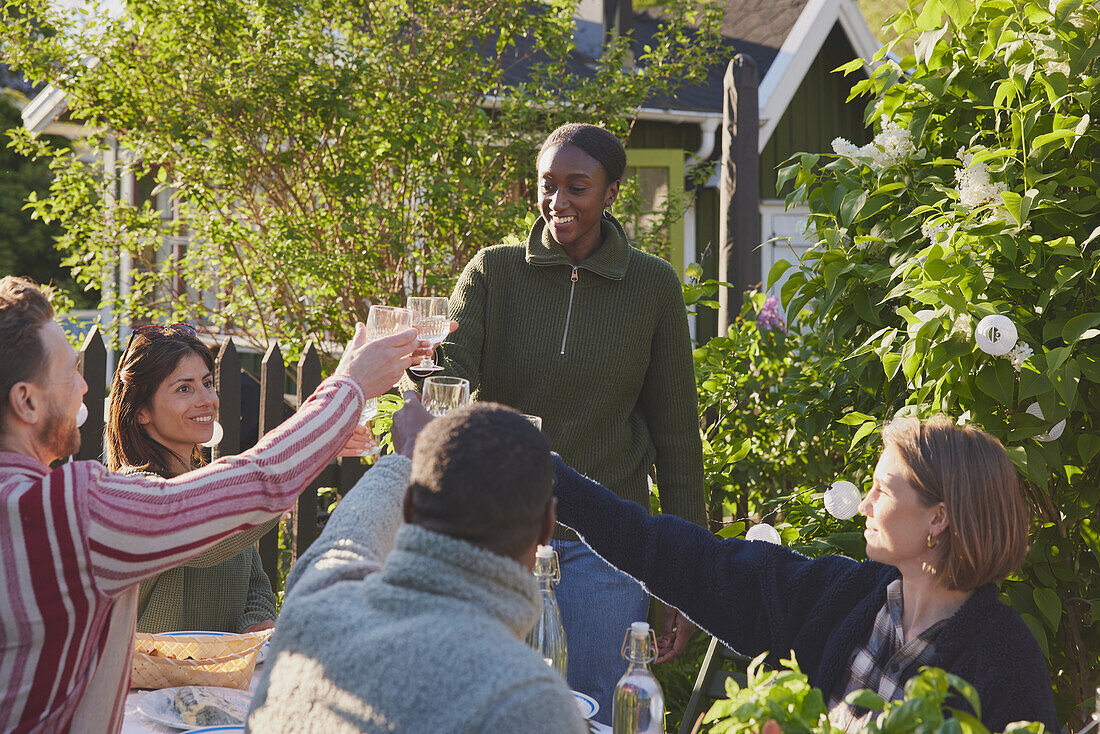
(358,535)
(739,591)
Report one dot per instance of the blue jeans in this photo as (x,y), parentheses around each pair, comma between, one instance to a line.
(598,603)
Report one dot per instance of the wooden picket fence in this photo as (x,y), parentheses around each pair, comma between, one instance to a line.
(306,517)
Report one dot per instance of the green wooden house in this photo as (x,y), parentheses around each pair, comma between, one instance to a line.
(802,107)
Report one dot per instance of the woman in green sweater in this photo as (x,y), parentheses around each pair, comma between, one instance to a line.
(591,334)
(162,407)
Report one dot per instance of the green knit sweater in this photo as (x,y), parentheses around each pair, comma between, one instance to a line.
(224,589)
(600,351)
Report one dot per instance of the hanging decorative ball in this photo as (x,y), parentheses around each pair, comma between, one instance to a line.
(922,317)
(842,500)
(1054,433)
(81,415)
(995,335)
(216,438)
(764,532)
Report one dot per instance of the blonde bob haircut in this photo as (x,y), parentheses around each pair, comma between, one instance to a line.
(970,473)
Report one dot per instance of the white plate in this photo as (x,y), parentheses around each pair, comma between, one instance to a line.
(586,704)
(259,658)
(157,705)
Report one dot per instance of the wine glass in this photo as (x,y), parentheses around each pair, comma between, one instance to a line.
(382,321)
(370,410)
(432,324)
(441,394)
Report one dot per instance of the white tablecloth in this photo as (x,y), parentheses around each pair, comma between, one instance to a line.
(134,722)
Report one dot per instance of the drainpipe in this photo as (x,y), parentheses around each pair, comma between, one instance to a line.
(707,128)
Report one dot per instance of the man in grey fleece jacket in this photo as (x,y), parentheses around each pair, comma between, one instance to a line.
(420,627)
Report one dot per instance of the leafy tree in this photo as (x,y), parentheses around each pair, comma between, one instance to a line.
(26,244)
(318,155)
(978,197)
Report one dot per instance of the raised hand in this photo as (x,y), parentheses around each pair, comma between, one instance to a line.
(408,422)
(379,364)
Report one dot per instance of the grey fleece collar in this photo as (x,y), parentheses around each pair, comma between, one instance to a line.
(439,564)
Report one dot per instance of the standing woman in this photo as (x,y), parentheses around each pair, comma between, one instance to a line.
(162,409)
(578,327)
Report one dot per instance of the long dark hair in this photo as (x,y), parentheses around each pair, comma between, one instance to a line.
(148,361)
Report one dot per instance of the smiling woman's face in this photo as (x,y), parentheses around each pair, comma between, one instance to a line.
(181,413)
(573,192)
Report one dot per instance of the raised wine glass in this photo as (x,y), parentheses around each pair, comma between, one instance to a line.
(441,394)
(432,325)
(382,321)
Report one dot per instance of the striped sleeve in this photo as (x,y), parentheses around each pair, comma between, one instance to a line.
(139,526)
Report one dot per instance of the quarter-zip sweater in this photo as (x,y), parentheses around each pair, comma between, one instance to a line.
(600,350)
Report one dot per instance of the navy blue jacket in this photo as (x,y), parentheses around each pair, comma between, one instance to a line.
(756,596)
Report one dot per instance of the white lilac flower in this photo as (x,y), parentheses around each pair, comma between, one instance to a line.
(931,228)
(1018,355)
(889,148)
(961,325)
(975,187)
(845,148)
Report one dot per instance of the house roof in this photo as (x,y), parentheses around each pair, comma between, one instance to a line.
(782,36)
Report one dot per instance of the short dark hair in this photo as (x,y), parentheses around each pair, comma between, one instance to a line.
(24,310)
(143,367)
(483,474)
(597,142)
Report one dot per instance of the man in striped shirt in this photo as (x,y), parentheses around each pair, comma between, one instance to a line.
(76,541)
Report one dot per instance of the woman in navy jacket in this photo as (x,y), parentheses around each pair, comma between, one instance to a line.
(945,524)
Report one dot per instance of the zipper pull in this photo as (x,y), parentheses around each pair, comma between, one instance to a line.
(573,277)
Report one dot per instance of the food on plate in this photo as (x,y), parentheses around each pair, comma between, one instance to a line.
(200,706)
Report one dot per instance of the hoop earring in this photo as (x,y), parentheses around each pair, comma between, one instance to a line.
(932,541)
(607,212)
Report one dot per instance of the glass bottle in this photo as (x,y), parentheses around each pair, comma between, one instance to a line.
(639,705)
(548,635)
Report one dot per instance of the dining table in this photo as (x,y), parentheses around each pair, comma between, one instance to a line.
(134,722)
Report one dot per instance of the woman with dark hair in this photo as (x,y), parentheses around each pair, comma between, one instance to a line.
(945,524)
(162,409)
(580,328)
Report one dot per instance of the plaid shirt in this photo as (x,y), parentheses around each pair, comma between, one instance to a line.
(884,662)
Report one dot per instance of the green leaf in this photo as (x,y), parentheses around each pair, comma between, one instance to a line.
(865,698)
(777,271)
(855,418)
(926,43)
(1037,630)
(864,431)
(1081,327)
(960,11)
(1051,137)
(1088,445)
(997,381)
(733,530)
(853,65)
(1050,606)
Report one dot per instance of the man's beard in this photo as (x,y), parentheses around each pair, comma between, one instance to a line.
(60,434)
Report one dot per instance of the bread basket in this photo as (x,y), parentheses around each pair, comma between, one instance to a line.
(181,659)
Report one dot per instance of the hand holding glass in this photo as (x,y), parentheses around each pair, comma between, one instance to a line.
(441,394)
(382,321)
(432,324)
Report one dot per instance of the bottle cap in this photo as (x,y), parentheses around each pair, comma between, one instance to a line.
(544,551)
(639,629)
